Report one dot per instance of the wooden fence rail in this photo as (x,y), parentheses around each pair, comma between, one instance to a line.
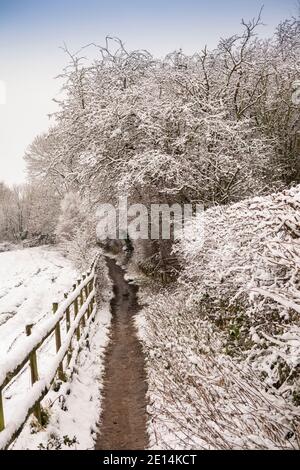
(77,310)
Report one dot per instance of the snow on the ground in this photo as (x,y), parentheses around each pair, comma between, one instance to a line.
(75,408)
(30,281)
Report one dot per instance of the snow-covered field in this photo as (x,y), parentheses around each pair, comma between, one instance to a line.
(30,280)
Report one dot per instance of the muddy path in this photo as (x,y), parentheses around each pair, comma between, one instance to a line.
(123,423)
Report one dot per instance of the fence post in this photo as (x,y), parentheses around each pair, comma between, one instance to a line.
(2,421)
(93,283)
(91,287)
(58,343)
(34,375)
(81,299)
(68,326)
(82,295)
(83,289)
(87,292)
(75,315)
(68,319)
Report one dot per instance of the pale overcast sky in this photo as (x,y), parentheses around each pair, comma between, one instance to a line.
(31,32)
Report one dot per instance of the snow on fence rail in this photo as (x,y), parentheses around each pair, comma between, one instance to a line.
(79,303)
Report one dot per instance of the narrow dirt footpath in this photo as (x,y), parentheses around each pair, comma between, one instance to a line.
(123,424)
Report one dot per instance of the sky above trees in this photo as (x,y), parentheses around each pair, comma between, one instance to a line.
(31,33)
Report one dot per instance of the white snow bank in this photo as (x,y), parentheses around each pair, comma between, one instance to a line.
(37,277)
(30,280)
(76,407)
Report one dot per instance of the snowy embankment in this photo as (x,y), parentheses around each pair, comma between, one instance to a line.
(223,343)
(30,280)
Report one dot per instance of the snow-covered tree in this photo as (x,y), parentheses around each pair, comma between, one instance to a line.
(215,127)
(71,216)
(76,230)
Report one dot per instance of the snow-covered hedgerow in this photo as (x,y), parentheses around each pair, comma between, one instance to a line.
(223,343)
(245,279)
(199,397)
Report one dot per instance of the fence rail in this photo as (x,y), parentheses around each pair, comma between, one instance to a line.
(77,311)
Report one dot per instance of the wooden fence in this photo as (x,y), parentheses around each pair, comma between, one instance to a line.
(77,311)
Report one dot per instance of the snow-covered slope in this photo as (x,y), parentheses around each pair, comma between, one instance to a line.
(30,280)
